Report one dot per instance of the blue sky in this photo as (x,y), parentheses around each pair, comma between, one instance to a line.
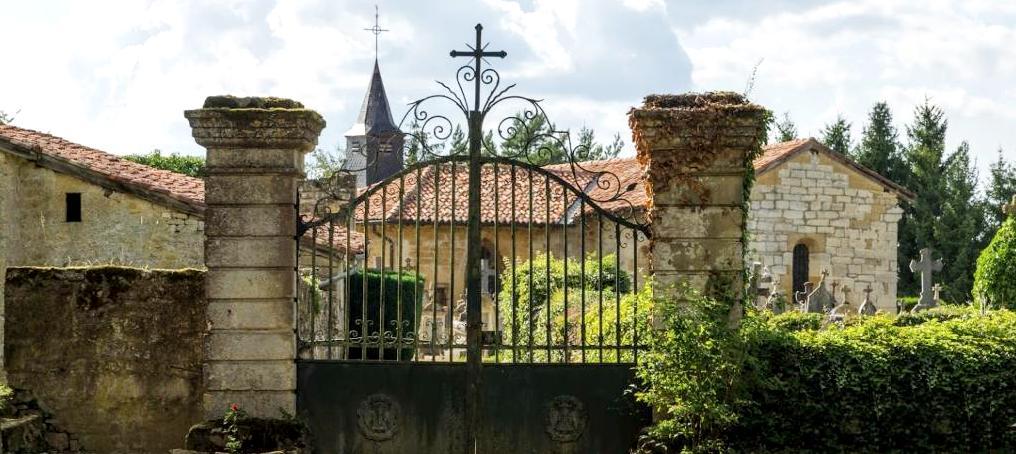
(117,74)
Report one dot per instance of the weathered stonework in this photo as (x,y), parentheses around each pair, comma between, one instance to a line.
(847,221)
(255,163)
(696,150)
(114,353)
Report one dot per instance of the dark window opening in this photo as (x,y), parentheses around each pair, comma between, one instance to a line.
(800,271)
(73,207)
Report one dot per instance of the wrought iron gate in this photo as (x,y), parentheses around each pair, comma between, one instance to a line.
(476,301)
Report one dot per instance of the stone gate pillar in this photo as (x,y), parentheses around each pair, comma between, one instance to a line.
(256,148)
(696,150)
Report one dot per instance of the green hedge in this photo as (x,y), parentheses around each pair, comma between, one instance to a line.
(411,286)
(995,277)
(523,312)
(940,382)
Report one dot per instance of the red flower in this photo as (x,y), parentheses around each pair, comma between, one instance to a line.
(234,407)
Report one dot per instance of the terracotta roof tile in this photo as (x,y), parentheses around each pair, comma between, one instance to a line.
(185,189)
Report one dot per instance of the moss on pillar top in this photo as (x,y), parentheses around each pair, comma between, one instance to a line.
(720,101)
(250,102)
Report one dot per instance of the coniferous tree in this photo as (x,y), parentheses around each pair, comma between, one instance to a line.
(959,229)
(836,136)
(786,130)
(926,179)
(879,149)
(1001,187)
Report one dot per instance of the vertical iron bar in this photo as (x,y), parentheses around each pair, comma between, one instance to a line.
(331,272)
(564,245)
(599,279)
(310,295)
(494,257)
(515,294)
(532,269)
(346,303)
(398,277)
(383,219)
(635,291)
(450,323)
(365,321)
(617,288)
(546,233)
(582,273)
(417,272)
(433,305)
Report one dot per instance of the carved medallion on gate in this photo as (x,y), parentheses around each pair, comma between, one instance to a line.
(566,419)
(378,417)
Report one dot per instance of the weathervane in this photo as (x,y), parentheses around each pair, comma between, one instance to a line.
(376,30)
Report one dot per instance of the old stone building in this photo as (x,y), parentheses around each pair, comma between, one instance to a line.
(813,210)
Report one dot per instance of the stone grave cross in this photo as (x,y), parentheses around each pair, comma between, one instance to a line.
(868,306)
(925,266)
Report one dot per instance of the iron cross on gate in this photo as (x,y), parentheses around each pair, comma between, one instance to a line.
(474,320)
(477,53)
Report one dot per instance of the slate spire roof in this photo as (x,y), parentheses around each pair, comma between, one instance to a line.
(375,115)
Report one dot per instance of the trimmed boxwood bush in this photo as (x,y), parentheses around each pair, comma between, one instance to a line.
(411,286)
(995,277)
(939,383)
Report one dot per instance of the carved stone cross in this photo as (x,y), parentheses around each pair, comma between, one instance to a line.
(925,266)
(868,306)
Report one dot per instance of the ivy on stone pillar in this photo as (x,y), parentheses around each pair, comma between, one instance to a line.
(255,152)
(697,152)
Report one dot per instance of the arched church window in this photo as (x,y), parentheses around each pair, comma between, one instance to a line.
(800,271)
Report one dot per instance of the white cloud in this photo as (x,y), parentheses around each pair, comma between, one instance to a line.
(841,57)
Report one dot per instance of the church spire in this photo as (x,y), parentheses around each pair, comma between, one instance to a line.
(374,142)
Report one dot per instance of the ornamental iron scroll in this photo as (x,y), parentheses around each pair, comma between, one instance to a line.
(378,417)
(427,133)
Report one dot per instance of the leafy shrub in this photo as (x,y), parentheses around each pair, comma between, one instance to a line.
(596,290)
(796,321)
(188,165)
(907,302)
(410,284)
(940,382)
(995,277)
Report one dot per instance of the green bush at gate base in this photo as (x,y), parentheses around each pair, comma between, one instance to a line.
(933,383)
(995,277)
(411,286)
(596,284)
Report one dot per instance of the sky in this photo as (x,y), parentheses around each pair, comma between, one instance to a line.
(118,74)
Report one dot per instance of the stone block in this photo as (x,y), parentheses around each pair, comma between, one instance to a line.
(250,284)
(258,404)
(277,251)
(250,189)
(698,190)
(687,222)
(250,345)
(701,254)
(281,159)
(258,220)
(253,314)
(277,375)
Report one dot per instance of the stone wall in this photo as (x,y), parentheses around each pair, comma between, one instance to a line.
(116,228)
(115,353)
(847,221)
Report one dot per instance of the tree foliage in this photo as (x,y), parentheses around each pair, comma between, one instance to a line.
(1000,190)
(879,149)
(959,227)
(836,136)
(188,165)
(995,278)
(937,382)
(786,130)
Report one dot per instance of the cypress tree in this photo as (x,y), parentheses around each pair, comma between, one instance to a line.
(836,136)
(879,149)
(958,232)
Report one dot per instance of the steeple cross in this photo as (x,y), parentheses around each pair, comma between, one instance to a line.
(477,53)
(376,30)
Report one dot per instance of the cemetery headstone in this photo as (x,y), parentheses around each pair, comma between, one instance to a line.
(820,300)
(867,306)
(925,266)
